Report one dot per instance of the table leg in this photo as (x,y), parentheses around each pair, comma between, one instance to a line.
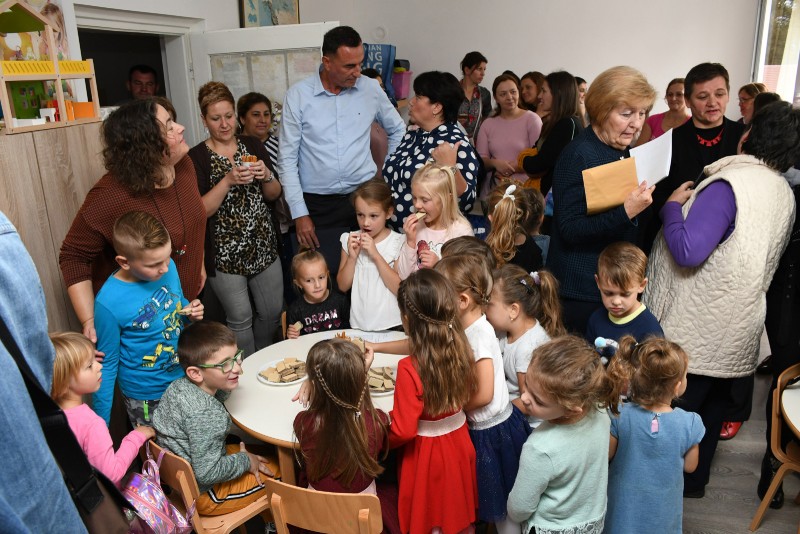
(286,462)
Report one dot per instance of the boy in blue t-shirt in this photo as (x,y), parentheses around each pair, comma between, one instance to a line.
(139,313)
(621,279)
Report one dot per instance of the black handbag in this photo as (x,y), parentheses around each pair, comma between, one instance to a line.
(101,505)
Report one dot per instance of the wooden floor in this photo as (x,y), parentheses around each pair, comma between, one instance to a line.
(731,501)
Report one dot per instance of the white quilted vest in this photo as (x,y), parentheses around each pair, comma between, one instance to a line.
(716,311)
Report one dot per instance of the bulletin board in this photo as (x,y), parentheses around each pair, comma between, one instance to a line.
(268,72)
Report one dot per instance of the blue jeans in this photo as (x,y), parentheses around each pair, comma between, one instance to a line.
(33,496)
(254,331)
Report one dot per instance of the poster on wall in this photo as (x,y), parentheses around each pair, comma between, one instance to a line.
(270,73)
(254,13)
(31,46)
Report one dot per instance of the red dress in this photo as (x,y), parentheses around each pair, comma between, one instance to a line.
(437,474)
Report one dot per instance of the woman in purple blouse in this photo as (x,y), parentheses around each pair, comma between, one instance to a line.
(710,269)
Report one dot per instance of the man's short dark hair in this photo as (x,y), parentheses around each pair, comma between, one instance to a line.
(704,72)
(144,69)
(775,136)
(339,36)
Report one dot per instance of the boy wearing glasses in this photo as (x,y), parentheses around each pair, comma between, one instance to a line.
(192,422)
(139,314)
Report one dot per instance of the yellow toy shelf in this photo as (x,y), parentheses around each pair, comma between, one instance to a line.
(28,68)
(48,71)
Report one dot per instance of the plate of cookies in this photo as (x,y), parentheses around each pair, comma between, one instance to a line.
(381,381)
(283,372)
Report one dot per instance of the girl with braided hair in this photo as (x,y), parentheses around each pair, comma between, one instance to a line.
(497,428)
(341,434)
(438,490)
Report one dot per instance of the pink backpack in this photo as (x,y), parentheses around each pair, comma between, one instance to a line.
(155,514)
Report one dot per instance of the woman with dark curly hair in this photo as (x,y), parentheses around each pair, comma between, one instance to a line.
(148,170)
(236,180)
(711,265)
(434,109)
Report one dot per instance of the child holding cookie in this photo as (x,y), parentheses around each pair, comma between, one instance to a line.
(368,257)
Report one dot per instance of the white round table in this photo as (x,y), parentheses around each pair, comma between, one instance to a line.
(267,412)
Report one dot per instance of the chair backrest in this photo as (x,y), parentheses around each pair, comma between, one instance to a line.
(777,414)
(321,511)
(177,473)
(283,324)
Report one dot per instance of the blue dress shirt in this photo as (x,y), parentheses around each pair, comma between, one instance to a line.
(325,138)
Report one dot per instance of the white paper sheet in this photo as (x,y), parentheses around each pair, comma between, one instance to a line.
(653,159)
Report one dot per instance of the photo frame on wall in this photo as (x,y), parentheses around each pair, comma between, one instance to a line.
(254,13)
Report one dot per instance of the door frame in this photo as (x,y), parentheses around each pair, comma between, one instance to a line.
(176,54)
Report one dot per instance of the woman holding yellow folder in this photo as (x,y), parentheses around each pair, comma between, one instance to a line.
(617,103)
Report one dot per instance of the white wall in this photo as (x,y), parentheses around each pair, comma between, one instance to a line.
(662,39)
(218,14)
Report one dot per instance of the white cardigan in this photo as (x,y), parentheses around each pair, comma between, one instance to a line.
(716,311)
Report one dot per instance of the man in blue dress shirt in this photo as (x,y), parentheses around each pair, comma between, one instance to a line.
(324,152)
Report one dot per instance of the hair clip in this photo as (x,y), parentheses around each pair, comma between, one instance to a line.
(536,279)
(510,191)
(528,288)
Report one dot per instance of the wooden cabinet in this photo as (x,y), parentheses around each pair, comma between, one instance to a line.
(45,177)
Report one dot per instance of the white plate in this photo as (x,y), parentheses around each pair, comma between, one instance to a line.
(273,363)
(386,393)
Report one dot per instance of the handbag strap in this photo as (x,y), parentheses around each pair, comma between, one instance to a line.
(78,474)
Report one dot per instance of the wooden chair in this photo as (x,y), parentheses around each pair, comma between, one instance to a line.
(283,324)
(177,474)
(790,457)
(321,511)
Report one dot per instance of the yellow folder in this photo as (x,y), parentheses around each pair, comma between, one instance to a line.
(607,186)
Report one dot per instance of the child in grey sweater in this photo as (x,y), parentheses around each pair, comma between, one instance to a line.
(192,422)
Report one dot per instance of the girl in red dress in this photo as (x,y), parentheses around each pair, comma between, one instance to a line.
(438,490)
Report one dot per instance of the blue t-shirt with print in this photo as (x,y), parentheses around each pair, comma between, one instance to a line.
(138,326)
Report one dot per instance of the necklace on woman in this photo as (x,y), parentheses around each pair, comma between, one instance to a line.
(710,142)
(180,251)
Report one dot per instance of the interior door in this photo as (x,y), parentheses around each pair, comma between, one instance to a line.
(267,59)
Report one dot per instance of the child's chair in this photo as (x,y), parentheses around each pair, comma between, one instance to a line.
(177,474)
(790,457)
(321,511)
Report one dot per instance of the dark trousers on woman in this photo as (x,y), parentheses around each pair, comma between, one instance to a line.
(741,401)
(783,332)
(707,396)
(332,215)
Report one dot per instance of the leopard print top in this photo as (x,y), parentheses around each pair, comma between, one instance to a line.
(245,239)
